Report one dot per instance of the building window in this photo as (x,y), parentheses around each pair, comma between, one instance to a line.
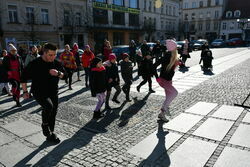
(208,14)
(208,26)
(30,15)
(224,26)
(103,1)
(231,26)
(174,11)
(162,25)
(78,19)
(201,15)
(201,4)
(193,4)
(145,5)
(154,8)
(185,5)
(133,19)
(170,10)
(133,3)
(229,14)
(12,9)
(118,38)
(193,16)
(186,16)
(166,25)
(66,18)
(216,26)
(162,10)
(216,14)
(45,16)
(166,9)
(208,3)
(192,28)
(237,13)
(217,2)
(100,16)
(119,18)
(150,6)
(200,26)
(118,2)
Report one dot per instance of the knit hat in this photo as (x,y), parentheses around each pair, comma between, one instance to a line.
(75,46)
(87,46)
(12,47)
(95,61)
(124,56)
(171,45)
(112,56)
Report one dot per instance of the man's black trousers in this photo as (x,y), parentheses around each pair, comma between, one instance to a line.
(49,109)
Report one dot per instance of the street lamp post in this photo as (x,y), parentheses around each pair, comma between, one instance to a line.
(243,24)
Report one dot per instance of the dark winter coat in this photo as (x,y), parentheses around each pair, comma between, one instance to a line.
(145,50)
(147,68)
(112,73)
(126,70)
(164,61)
(3,74)
(98,81)
(157,49)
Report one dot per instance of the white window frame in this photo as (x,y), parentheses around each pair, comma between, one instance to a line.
(237,13)
(14,12)
(229,14)
(44,16)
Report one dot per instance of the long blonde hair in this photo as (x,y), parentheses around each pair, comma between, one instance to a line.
(173,60)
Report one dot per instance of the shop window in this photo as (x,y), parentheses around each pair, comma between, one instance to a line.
(133,20)
(118,18)
(100,16)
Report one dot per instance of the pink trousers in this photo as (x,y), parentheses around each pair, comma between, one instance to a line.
(170,92)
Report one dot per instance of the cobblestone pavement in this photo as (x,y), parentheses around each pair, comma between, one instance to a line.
(110,141)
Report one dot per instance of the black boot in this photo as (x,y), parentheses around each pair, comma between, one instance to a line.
(116,101)
(46,131)
(98,114)
(53,138)
(151,90)
(18,104)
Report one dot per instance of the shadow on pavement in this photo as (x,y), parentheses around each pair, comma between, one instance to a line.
(132,110)
(159,150)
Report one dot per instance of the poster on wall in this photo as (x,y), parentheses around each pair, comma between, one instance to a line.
(10,41)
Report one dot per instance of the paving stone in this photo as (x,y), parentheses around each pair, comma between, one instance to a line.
(5,139)
(202,108)
(22,128)
(18,154)
(192,153)
(228,112)
(246,118)
(241,136)
(213,129)
(154,145)
(232,157)
(183,122)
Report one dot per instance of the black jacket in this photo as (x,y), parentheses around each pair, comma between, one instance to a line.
(43,83)
(164,61)
(98,81)
(3,74)
(147,69)
(145,49)
(126,70)
(112,73)
(157,49)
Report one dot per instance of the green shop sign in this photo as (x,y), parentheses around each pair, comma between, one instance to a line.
(116,8)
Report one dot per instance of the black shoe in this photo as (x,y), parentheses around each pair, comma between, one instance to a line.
(78,79)
(66,81)
(87,85)
(151,91)
(46,131)
(138,88)
(18,104)
(70,88)
(107,107)
(98,114)
(128,100)
(53,138)
(116,101)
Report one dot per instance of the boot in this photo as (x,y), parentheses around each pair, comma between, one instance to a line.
(138,88)
(162,116)
(98,114)
(46,131)
(151,90)
(18,104)
(53,138)
(116,101)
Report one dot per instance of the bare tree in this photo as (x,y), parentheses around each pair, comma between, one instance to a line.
(71,19)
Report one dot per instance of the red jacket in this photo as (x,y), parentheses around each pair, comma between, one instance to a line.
(87,57)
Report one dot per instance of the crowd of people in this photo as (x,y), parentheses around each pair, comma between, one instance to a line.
(101,75)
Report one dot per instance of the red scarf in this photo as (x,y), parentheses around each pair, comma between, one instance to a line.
(98,69)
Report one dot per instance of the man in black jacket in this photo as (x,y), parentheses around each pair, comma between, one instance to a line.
(45,72)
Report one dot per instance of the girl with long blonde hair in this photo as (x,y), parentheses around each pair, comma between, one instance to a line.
(168,64)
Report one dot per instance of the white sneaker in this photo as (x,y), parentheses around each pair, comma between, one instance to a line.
(162,117)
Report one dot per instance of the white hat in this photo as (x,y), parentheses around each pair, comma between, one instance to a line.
(12,47)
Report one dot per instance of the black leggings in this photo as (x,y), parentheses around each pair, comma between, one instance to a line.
(49,105)
(145,80)
(70,73)
(87,72)
(126,88)
(15,89)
